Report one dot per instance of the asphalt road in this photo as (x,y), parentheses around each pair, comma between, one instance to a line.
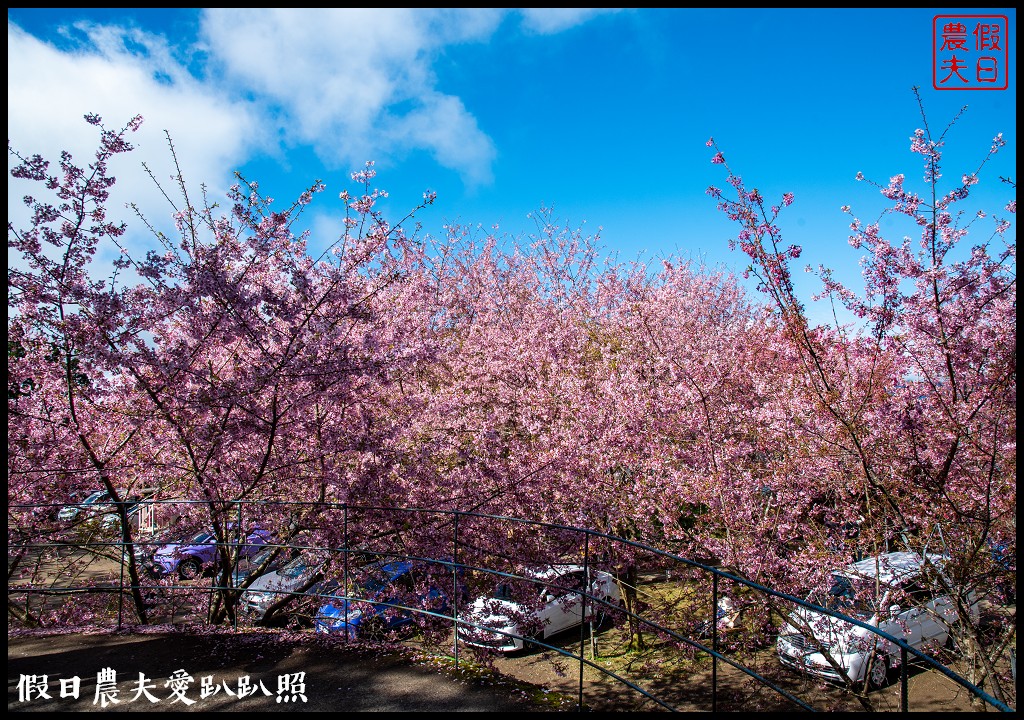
(229,669)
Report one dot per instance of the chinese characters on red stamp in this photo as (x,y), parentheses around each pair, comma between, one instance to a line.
(970,52)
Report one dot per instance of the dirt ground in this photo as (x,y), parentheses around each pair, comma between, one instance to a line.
(336,678)
(928,691)
(364,678)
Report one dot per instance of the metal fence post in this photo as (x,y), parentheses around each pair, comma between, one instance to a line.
(120,592)
(455,582)
(344,542)
(904,701)
(714,642)
(235,597)
(583,608)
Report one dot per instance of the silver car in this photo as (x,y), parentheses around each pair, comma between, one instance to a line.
(299,576)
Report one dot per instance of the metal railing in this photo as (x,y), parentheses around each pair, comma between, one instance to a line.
(462,549)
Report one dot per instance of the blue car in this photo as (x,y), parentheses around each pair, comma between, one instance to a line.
(1004,558)
(396,583)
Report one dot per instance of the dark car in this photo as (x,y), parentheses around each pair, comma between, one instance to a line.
(99,505)
(384,585)
(273,556)
(302,575)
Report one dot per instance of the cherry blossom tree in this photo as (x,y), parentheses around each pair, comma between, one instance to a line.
(63,423)
(326,398)
(918,403)
(241,366)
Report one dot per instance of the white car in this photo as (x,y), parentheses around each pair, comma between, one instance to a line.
(98,500)
(883,591)
(98,504)
(545,604)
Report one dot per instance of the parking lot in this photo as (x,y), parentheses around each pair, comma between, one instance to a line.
(682,683)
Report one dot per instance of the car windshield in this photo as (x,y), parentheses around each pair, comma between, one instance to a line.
(201,539)
(380,580)
(850,596)
(517,591)
(259,558)
(295,568)
(373,586)
(246,566)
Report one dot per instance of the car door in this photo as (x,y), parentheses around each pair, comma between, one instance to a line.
(898,618)
(923,623)
(562,607)
(204,547)
(935,614)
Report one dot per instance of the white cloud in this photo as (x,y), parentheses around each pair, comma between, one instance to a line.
(442,124)
(49,90)
(356,83)
(553,20)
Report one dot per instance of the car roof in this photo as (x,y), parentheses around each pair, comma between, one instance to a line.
(392,569)
(188,538)
(546,572)
(307,562)
(891,568)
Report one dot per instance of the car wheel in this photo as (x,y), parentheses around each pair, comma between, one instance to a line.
(879,672)
(190,569)
(604,614)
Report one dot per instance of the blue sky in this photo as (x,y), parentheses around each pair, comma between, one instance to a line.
(600,115)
